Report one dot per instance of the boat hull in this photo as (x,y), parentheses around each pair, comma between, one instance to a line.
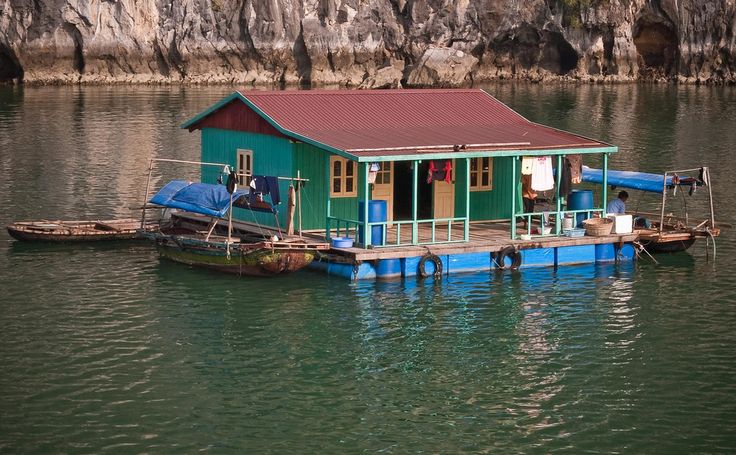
(671,246)
(241,260)
(74,231)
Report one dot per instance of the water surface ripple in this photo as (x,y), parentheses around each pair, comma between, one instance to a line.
(106,349)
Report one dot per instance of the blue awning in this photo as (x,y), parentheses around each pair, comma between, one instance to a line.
(636,180)
(203,198)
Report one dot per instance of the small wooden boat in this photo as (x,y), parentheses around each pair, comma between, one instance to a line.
(188,239)
(663,232)
(76,231)
(264,258)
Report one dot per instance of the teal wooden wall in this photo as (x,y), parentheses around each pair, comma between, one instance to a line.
(313,163)
(271,156)
(486,205)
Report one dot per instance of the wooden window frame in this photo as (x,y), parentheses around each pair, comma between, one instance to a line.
(479,172)
(343,178)
(244,166)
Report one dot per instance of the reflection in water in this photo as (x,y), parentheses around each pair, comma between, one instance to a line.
(105,347)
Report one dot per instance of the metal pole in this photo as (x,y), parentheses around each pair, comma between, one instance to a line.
(604,205)
(414,206)
(366,228)
(327,201)
(513,197)
(664,201)
(145,198)
(558,218)
(299,199)
(467,198)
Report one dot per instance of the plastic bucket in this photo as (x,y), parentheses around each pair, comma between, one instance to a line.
(377,210)
(580,200)
(567,223)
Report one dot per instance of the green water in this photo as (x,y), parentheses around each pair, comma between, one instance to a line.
(106,349)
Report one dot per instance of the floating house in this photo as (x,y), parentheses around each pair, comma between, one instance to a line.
(440,169)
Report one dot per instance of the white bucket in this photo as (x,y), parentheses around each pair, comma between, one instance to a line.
(568,222)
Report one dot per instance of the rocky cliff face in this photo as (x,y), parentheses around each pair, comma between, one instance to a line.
(366,43)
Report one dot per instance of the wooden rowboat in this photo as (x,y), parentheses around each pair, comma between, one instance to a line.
(75,231)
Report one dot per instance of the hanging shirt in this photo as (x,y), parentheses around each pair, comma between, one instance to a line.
(527,165)
(542,176)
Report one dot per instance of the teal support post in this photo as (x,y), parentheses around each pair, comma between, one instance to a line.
(366,198)
(604,205)
(466,235)
(414,205)
(514,179)
(327,196)
(558,216)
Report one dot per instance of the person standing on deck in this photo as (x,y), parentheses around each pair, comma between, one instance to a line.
(618,205)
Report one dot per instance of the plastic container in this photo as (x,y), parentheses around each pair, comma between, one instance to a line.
(568,222)
(580,200)
(574,232)
(377,210)
(342,242)
(622,224)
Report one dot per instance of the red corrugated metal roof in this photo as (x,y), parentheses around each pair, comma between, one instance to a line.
(405,122)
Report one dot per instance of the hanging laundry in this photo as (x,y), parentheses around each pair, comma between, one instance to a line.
(442,170)
(448,170)
(565,178)
(542,175)
(576,168)
(373,172)
(527,165)
(264,184)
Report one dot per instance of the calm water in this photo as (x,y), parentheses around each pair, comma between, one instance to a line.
(107,349)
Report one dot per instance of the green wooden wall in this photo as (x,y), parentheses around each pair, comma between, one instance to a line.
(486,205)
(281,157)
(313,163)
(271,156)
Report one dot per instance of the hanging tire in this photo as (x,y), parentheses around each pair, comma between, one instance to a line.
(512,254)
(436,261)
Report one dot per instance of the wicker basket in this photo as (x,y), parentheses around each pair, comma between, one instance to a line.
(598,226)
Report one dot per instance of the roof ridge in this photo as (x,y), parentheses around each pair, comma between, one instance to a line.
(353,92)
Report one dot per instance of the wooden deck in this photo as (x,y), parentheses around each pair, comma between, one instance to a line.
(484,237)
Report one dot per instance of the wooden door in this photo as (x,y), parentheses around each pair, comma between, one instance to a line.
(444,197)
(383,188)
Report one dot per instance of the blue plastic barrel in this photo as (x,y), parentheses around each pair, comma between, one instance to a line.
(580,200)
(377,210)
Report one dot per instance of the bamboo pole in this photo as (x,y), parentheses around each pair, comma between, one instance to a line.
(299,200)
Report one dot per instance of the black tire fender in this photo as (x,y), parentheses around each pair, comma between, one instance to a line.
(512,254)
(422,268)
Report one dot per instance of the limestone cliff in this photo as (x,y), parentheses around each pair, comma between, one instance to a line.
(366,43)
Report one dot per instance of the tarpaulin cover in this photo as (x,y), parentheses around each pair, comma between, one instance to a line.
(203,198)
(628,179)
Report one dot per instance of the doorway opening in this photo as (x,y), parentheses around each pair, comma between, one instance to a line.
(403,191)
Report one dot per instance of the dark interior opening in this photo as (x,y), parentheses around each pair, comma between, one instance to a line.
(558,56)
(403,191)
(9,67)
(656,43)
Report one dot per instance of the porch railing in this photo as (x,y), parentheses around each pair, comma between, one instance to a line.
(544,220)
(408,232)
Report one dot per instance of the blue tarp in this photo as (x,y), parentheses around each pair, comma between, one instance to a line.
(203,198)
(628,179)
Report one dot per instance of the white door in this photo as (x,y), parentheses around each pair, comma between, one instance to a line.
(383,188)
